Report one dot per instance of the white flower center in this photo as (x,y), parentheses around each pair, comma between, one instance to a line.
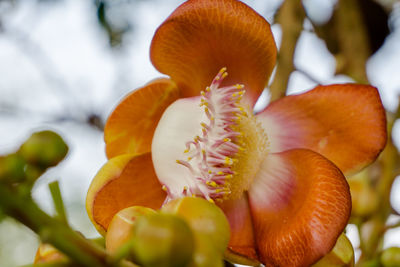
(224,160)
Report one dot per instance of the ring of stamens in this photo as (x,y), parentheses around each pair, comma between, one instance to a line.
(225,158)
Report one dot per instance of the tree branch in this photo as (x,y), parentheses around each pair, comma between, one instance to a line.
(291,16)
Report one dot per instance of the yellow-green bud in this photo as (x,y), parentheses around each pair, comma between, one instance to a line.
(120,230)
(391,257)
(162,240)
(205,255)
(12,168)
(342,254)
(364,197)
(45,149)
(48,254)
(204,218)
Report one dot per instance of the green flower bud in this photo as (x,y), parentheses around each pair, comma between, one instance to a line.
(45,149)
(205,255)
(204,218)
(391,257)
(364,197)
(342,254)
(46,253)
(120,230)
(12,168)
(162,240)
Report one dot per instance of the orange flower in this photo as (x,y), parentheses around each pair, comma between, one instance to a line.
(274,174)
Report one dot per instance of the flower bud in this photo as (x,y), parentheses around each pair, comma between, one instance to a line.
(204,218)
(12,168)
(120,230)
(162,240)
(391,257)
(342,254)
(364,197)
(45,149)
(48,254)
(205,255)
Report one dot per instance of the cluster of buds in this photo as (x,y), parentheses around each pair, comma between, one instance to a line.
(188,231)
(39,152)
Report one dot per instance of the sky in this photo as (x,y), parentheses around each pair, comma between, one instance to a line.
(54,59)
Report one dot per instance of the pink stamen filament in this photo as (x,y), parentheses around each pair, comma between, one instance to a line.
(212,154)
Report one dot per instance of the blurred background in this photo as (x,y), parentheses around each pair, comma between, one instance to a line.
(64,65)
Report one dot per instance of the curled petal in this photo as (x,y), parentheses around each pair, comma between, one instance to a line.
(300,203)
(124,181)
(242,245)
(345,123)
(179,124)
(202,36)
(130,127)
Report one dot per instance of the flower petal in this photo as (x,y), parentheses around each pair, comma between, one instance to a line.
(130,127)
(300,203)
(200,37)
(242,245)
(179,124)
(124,181)
(345,123)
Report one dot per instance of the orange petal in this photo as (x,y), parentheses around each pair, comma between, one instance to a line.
(124,181)
(345,123)
(300,203)
(200,37)
(130,127)
(242,246)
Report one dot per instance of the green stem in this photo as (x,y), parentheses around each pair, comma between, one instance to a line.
(58,201)
(374,232)
(50,230)
(64,264)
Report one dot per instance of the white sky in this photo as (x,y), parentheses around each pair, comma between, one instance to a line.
(72,69)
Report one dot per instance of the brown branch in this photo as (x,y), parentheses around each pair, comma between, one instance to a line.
(353,42)
(291,16)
